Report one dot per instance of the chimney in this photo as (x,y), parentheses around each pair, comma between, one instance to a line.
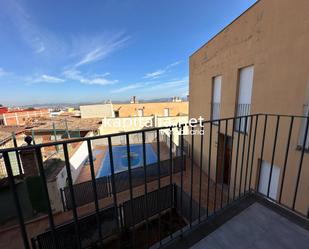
(133,100)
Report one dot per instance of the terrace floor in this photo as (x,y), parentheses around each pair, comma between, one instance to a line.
(255,226)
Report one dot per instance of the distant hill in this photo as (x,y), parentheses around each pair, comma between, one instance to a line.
(76,105)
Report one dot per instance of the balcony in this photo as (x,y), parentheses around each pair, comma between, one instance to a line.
(155,194)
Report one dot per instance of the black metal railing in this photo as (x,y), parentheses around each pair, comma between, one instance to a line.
(131,207)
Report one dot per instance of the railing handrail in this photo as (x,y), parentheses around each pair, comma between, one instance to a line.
(76,140)
(237,181)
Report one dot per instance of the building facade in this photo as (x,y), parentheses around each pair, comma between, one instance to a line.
(135,109)
(258,64)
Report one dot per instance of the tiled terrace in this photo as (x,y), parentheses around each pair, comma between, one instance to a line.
(253,223)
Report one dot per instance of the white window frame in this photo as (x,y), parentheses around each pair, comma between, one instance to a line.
(216,97)
(244,98)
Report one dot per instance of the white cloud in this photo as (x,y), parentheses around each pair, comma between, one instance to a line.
(173,64)
(2,72)
(24,24)
(127,88)
(152,86)
(170,84)
(154,75)
(41,49)
(98,47)
(96,79)
(161,72)
(44,78)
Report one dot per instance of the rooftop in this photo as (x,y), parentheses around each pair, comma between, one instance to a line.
(60,123)
(6,132)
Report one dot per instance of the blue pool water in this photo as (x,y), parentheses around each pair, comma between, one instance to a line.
(121,160)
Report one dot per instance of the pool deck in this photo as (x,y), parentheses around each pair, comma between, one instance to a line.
(85,174)
(10,238)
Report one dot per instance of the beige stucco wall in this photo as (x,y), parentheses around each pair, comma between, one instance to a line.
(96,111)
(156,108)
(273,36)
(131,110)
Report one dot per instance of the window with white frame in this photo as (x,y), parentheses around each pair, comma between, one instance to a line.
(244,96)
(166,112)
(216,97)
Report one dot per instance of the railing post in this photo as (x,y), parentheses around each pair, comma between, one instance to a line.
(209,168)
(301,163)
(217,160)
(223,166)
(182,169)
(273,155)
(110,149)
(159,182)
(236,161)
(17,154)
(253,150)
(45,189)
(191,175)
(145,185)
(262,152)
(171,179)
(95,192)
(231,161)
(248,154)
(286,157)
(201,171)
(130,188)
(70,182)
(243,155)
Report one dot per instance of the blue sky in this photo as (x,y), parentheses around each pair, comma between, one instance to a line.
(88,51)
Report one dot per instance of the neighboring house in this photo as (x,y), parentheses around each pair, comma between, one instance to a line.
(176,107)
(96,111)
(259,64)
(21,117)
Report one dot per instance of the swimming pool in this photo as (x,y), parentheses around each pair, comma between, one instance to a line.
(121,160)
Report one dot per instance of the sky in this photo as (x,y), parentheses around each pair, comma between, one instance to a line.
(75,51)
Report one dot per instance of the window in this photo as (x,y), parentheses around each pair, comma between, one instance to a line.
(140,112)
(116,113)
(216,97)
(244,95)
(166,112)
(303,129)
(264,179)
